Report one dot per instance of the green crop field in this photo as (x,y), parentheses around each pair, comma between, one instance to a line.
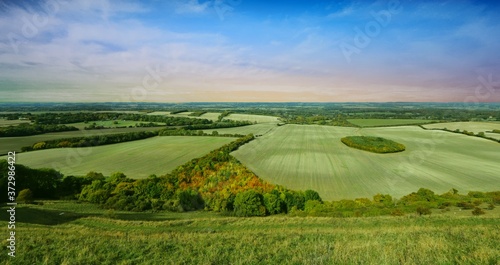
(313,157)
(137,159)
(79,233)
(385,122)
(8,144)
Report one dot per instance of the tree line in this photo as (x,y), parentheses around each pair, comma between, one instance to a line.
(33,129)
(97,140)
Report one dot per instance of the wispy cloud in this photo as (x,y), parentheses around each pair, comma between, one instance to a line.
(191,6)
(82,48)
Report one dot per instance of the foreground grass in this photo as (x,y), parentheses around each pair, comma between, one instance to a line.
(92,236)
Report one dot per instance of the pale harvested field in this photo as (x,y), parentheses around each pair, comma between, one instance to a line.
(312,157)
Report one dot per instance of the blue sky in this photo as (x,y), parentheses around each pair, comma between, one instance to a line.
(242,50)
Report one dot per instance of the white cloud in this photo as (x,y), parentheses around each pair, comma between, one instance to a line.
(191,6)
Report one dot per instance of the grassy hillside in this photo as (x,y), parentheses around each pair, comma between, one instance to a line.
(69,233)
(137,159)
(312,157)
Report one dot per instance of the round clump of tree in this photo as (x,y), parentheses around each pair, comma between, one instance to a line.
(373,144)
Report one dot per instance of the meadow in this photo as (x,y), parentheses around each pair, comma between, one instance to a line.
(386,122)
(313,157)
(8,144)
(79,233)
(137,159)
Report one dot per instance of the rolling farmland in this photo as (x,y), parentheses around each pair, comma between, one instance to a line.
(137,159)
(252,118)
(385,122)
(474,127)
(6,123)
(312,157)
(256,129)
(215,115)
(110,124)
(8,144)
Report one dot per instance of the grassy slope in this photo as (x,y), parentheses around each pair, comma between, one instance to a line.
(312,157)
(385,122)
(82,235)
(137,159)
(15,143)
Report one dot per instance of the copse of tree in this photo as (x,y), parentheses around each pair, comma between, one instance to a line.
(373,144)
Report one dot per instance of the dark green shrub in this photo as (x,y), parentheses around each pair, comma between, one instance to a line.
(273,203)
(422,210)
(478,211)
(249,203)
(465,205)
(310,195)
(25,196)
(190,200)
(397,212)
